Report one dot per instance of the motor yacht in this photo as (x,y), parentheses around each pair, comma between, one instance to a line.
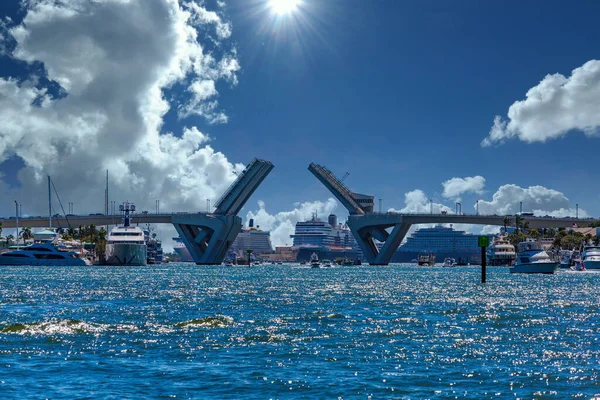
(591,257)
(500,252)
(42,254)
(532,259)
(426,259)
(326,263)
(125,244)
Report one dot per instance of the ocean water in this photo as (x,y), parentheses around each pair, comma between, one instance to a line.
(184,331)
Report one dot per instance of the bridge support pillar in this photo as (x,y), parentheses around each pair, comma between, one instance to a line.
(208,237)
(368,228)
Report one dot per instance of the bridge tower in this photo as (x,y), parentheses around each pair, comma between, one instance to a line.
(208,236)
(365,225)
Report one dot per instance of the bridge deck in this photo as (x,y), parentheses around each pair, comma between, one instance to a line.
(98,220)
(375,218)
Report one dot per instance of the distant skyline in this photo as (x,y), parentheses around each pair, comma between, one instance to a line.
(450,101)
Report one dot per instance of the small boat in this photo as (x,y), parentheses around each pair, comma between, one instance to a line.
(532,259)
(449,262)
(326,263)
(578,266)
(314,261)
(591,257)
(347,261)
(302,262)
(565,258)
(426,259)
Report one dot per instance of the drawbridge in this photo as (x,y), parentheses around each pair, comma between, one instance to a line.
(390,228)
(209,236)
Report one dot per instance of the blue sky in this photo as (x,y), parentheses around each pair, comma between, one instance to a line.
(400,94)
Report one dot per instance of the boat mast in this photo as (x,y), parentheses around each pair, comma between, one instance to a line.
(49,203)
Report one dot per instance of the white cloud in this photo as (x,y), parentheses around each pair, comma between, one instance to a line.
(554,107)
(457,186)
(115,60)
(283,224)
(537,199)
(416,201)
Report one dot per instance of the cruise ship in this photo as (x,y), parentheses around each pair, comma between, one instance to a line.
(125,244)
(444,242)
(328,239)
(252,238)
(181,250)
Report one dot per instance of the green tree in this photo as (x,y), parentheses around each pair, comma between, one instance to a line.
(9,239)
(26,233)
(506,222)
(0,229)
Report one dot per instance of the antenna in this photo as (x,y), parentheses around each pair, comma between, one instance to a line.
(345,176)
(106,195)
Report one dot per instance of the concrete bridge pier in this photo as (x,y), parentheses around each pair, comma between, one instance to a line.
(208,237)
(368,228)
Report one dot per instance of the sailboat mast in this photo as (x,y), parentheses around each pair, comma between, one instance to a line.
(49,203)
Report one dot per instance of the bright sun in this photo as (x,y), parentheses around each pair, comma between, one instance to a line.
(283,6)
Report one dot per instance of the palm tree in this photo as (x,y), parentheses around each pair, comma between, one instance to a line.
(9,239)
(506,222)
(0,229)
(249,256)
(26,233)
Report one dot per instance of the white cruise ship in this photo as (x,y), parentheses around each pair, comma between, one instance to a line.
(126,245)
(181,250)
(252,238)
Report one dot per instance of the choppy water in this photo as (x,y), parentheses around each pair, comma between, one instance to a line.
(281,331)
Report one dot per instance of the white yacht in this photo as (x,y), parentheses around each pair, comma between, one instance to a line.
(532,259)
(500,252)
(591,257)
(42,254)
(126,245)
(326,263)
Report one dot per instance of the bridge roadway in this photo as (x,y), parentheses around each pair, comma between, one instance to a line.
(497,220)
(74,221)
(374,218)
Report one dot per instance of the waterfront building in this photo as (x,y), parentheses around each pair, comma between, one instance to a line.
(444,242)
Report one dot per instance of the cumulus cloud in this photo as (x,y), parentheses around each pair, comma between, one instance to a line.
(457,186)
(115,68)
(283,224)
(416,201)
(556,106)
(537,199)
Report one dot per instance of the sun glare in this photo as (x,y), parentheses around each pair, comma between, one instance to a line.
(282,7)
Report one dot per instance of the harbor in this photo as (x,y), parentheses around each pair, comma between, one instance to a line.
(299,199)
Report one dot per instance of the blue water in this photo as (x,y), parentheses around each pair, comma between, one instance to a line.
(183,331)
